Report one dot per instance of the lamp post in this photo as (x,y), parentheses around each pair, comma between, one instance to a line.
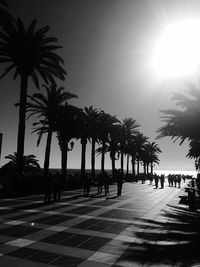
(71,146)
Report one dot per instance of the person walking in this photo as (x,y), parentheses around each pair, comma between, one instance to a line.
(156,180)
(119,178)
(106,182)
(57,186)
(48,188)
(99,183)
(86,184)
(162,180)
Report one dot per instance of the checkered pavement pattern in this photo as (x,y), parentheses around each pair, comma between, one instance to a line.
(79,231)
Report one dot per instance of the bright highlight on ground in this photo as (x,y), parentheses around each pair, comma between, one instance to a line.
(177,51)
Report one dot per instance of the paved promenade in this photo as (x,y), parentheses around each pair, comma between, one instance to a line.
(143,227)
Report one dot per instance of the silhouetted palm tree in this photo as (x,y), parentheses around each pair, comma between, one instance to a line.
(66,126)
(128,129)
(183,123)
(20,168)
(46,106)
(106,122)
(30,54)
(28,161)
(114,144)
(194,152)
(93,115)
(83,132)
(150,155)
(140,140)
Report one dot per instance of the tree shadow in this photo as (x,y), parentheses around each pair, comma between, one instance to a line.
(174,239)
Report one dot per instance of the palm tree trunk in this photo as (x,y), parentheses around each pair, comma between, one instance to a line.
(122,161)
(147,168)
(103,156)
(47,154)
(151,168)
(93,158)
(83,152)
(127,165)
(133,166)
(138,167)
(22,118)
(64,153)
(144,168)
(112,155)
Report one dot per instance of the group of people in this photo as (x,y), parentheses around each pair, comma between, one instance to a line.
(160,178)
(103,181)
(52,187)
(174,180)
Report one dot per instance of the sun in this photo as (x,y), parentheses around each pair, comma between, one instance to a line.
(177,52)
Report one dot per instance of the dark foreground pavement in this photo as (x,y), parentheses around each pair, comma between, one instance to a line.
(143,227)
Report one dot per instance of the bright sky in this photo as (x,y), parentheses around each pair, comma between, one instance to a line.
(107,48)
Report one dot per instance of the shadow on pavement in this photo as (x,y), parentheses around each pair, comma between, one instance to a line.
(174,239)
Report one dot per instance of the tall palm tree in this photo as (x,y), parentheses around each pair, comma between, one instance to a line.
(106,122)
(129,128)
(46,107)
(93,115)
(66,126)
(139,141)
(83,132)
(114,144)
(150,155)
(30,53)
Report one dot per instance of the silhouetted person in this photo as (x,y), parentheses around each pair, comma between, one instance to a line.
(56,187)
(175,180)
(87,184)
(162,180)
(119,178)
(151,178)
(179,181)
(48,188)
(99,183)
(156,180)
(169,180)
(106,182)
(143,179)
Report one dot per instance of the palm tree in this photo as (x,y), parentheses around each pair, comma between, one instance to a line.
(93,117)
(139,140)
(129,128)
(106,122)
(183,123)
(66,126)
(20,168)
(83,132)
(29,162)
(114,144)
(194,152)
(30,54)
(46,106)
(150,155)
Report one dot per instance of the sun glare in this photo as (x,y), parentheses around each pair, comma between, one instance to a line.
(177,51)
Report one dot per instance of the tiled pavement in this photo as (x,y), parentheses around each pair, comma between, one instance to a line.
(143,227)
